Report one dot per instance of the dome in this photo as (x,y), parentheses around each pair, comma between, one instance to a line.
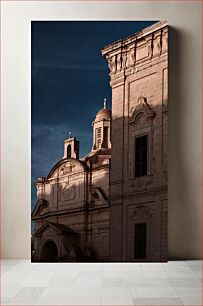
(104,113)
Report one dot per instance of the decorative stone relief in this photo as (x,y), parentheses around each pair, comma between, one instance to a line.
(112,64)
(141,183)
(141,212)
(98,195)
(124,60)
(141,106)
(67,192)
(165,40)
(157,44)
(150,46)
(119,62)
(130,58)
(67,168)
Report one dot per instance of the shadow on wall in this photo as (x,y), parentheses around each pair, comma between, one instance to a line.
(183,211)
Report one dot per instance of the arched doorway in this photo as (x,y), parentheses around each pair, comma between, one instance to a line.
(49,252)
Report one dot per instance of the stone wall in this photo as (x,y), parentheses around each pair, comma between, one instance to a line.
(138,77)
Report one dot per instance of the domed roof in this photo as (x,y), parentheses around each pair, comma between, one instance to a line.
(104,113)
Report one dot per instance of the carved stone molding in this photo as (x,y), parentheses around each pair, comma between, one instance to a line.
(141,106)
(67,192)
(141,183)
(98,195)
(130,58)
(164,40)
(141,213)
(67,168)
(157,42)
(126,55)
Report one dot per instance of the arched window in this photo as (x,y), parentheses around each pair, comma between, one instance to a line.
(69,151)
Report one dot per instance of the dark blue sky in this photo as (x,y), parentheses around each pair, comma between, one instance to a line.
(69,79)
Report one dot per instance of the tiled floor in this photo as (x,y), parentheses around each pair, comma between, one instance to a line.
(173,283)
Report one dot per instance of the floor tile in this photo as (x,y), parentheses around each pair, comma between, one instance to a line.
(172,283)
(177,268)
(61,282)
(157,301)
(91,267)
(178,274)
(113,282)
(185,282)
(74,292)
(37,279)
(192,301)
(147,282)
(50,267)
(189,291)
(198,274)
(28,292)
(117,301)
(155,274)
(67,274)
(154,292)
(69,301)
(22,301)
(116,292)
(88,282)
(176,263)
(134,268)
(9,292)
(122,274)
(193,262)
(152,267)
(196,268)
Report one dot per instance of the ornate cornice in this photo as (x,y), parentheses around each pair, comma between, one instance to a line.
(124,55)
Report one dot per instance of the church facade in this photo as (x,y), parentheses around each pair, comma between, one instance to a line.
(111,205)
(72,211)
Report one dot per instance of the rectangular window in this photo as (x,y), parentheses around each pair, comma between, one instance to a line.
(141,145)
(140,240)
(98,137)
(105,141)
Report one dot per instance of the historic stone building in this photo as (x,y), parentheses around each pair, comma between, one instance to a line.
(111,205)
(138,181)
(72,211)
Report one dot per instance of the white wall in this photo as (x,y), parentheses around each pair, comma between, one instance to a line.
(184,114)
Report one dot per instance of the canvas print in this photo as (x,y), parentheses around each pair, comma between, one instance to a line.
(99,100)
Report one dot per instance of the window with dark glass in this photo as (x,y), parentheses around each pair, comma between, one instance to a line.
(105,140)
(140,240)
(69,151)
(141,145)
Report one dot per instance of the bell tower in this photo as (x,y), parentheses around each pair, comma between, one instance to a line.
(71,147)
(102,129)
